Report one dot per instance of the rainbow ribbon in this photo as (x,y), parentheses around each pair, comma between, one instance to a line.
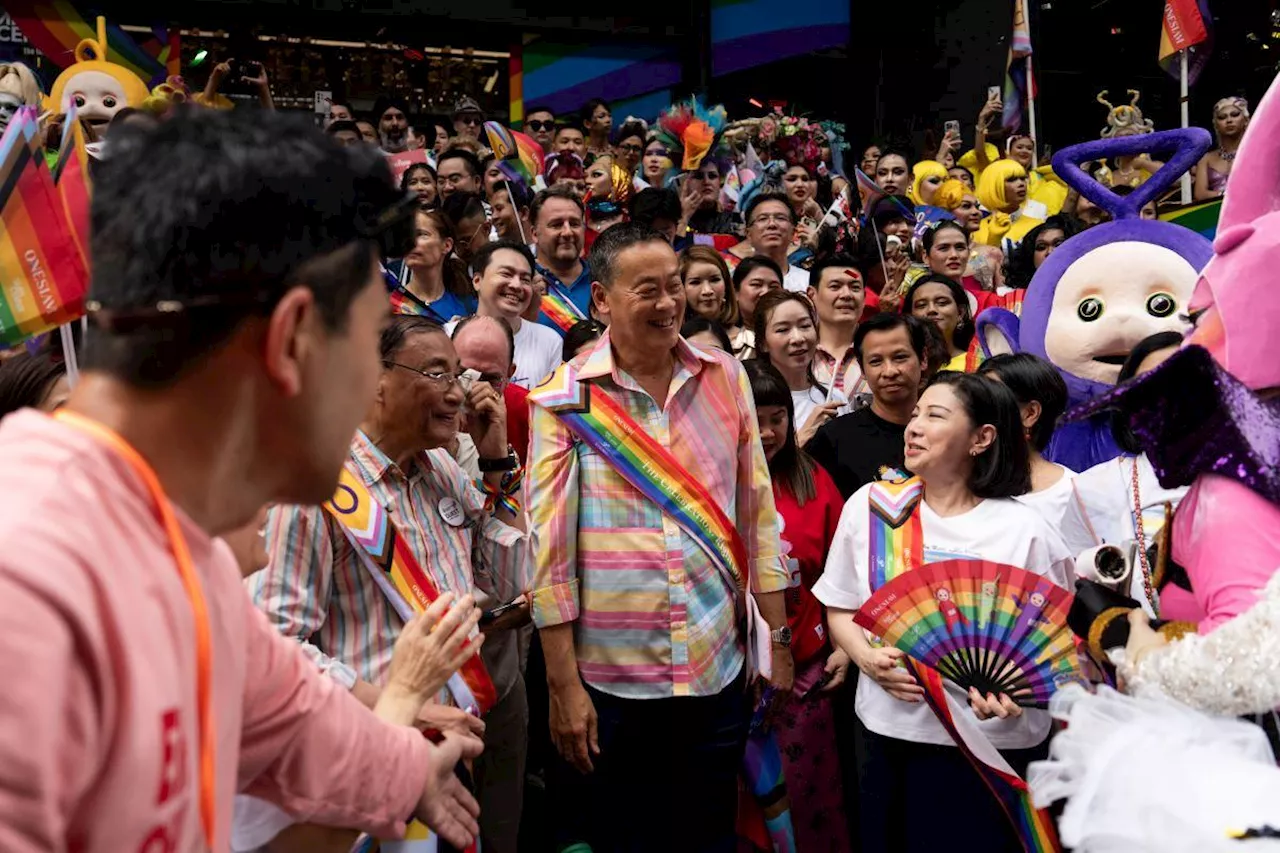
(559,308)
(897,539)
(599,420)
(401,578)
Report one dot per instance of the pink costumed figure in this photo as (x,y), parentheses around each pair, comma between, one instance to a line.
(1209,417)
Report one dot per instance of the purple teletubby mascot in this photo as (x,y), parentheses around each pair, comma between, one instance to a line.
(1107,288)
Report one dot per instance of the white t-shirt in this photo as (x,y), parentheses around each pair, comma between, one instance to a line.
(796,280)
(1054,502)
(538,351)
(804,402)
(1102,512)
(1000,530)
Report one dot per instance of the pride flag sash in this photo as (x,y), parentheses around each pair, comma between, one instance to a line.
(401,578)
(402,300)
(559,308)
(600,422)
(897,546)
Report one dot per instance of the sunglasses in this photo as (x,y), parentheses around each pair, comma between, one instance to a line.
(472,120)
(539,126)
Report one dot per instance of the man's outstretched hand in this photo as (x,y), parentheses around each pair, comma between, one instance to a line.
(446,806)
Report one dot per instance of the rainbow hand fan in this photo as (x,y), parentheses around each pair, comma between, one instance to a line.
(998,628)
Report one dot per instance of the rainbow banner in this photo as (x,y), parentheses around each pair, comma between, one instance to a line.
(1186,25)
(750,33)
(71,178)
(1019,84)
(1201,217)
(42,278)
(55,27)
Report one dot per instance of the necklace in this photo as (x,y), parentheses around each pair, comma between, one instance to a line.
(1140,529)
(1226,155)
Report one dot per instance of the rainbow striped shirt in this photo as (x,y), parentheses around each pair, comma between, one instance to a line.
(653,616)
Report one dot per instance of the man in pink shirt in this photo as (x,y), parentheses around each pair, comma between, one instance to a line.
(237,304)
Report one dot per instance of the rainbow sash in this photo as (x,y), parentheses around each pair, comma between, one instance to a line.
(897,546)
(599,421)
(400,577)
(559,308)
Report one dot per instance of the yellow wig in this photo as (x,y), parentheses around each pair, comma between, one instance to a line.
(949,195)
(991,185)
(920,172)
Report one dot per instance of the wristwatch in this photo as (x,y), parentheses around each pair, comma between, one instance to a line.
(510,462)
(781,637)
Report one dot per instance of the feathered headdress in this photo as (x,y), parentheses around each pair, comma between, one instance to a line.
(691,132)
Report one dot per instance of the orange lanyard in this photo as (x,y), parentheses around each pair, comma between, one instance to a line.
(191,583)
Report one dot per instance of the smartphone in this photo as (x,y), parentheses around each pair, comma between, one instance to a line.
(993,93)
(952,127)
(491,615)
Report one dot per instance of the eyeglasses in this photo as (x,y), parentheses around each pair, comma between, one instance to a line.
(539,126)
(442,379)
(631,149)
(780,218)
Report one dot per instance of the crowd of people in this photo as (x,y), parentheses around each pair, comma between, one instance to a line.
(555,496)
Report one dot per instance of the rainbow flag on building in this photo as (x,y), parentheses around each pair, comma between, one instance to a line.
(1019,82)
(55,27)
(42,278)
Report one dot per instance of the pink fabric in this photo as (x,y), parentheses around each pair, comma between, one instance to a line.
(98,714)
(1228,537)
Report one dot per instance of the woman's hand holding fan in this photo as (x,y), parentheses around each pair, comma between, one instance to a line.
(881,665)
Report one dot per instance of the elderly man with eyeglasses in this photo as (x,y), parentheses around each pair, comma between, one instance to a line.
(320,586)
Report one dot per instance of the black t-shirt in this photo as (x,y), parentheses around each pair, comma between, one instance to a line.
(854,447)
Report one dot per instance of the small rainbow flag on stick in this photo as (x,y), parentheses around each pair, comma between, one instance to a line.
(42,278)
(520,157)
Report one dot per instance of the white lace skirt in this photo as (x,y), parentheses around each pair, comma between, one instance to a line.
(1149,774)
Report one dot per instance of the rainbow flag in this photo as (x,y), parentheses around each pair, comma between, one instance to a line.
(1201,217)
(42,278)
(55,27)
(1019,83)
(1187,25)
(520,157)
(74,186)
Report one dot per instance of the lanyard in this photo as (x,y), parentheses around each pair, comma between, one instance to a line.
(191,584)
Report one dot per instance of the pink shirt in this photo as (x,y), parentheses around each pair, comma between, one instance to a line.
(1228,537)
(99,734)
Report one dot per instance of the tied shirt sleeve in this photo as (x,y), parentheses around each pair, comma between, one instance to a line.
(552,487)
(757,515)
(311,748)
(293,590)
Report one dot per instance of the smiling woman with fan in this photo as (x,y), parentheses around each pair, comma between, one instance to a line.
(955,580)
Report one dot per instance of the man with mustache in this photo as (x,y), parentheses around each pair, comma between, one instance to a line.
(392,116)
(890,350)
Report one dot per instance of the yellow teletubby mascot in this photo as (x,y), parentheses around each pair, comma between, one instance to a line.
(99,89)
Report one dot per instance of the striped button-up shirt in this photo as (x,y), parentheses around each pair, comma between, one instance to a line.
(845,374)
(653,617)
(317,589)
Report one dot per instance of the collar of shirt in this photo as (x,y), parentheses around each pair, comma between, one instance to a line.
(584,278)
(600,363)
(373,465)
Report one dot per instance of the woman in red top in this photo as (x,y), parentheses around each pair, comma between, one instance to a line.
(809,506)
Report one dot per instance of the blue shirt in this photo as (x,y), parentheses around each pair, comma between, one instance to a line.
(448,307)
(579,293)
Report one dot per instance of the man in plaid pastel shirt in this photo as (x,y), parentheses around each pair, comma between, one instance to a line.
(646,661)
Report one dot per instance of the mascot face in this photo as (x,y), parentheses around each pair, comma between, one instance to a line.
(98,89)
(1109,300)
